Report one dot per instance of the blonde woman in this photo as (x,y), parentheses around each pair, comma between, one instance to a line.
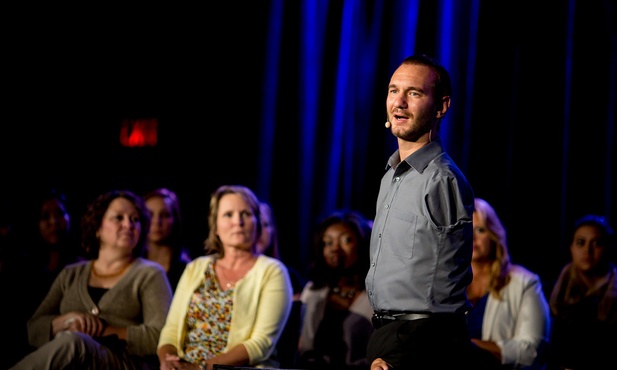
(231,305)
(510,321)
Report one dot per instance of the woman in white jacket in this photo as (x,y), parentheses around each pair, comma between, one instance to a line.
(510,319)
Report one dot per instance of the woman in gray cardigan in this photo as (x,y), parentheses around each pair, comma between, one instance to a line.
(105,312)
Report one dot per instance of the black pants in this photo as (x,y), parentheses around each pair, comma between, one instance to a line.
(438,342)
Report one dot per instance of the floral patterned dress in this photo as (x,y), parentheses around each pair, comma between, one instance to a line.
(208,319)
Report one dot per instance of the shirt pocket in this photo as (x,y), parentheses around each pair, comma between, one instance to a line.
(402,228)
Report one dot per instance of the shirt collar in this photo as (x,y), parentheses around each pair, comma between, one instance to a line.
(419,159)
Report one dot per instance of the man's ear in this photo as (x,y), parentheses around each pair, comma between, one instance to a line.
(443,107)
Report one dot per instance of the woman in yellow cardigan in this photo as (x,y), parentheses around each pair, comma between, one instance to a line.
(231,305)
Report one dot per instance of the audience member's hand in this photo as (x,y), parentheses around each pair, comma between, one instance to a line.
(170,362)
(173,362)
(380,364)
(81,322)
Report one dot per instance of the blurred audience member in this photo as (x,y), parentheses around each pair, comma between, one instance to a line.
(55,244)
(46,245)
(584,300)
(336,323)
(105,312)
(268,245)
(55,233)
(510,320)
(231,305)
(268,242)
(165,243)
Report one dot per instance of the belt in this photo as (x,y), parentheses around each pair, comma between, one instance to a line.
(395,316)
(382,318)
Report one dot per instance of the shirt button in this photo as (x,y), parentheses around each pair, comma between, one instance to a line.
(397,179)
(95,311)
(387,206)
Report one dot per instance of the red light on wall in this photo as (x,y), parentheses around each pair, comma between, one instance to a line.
(138,132)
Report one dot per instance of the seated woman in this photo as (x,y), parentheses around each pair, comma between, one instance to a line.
(105,312)
(46,245)
(584,300)
(54,244)
(165,243)
(231,305)
(336,323)
(268,244)
(510,321)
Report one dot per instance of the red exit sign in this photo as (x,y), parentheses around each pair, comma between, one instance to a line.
(139,132)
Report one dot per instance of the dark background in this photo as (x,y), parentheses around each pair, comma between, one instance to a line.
(532,123)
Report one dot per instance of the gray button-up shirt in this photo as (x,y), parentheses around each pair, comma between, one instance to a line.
(422,236)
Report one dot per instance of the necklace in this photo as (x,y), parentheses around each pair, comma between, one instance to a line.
(224,278)
(106,276)
(228,276)
(230,283)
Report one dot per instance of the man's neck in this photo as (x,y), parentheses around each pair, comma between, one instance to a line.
(406,148)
